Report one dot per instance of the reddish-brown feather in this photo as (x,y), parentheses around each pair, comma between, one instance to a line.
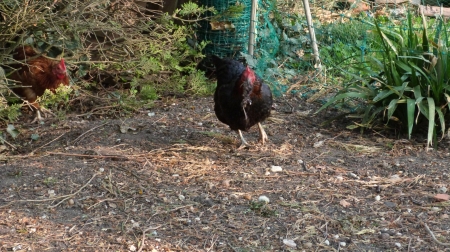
(36,74)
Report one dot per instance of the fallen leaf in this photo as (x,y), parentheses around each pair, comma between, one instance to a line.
(442,197)
(345,203)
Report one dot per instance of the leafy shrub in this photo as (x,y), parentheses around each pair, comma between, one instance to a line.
(413,86)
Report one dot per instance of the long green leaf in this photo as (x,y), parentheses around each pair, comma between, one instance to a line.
(441,120)
(342,96)
(431,128)
(382,95)
(410,108)
(391,108)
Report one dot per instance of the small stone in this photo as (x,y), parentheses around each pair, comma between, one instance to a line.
(395,177)
(233,196)
(442,189)
(390,204)
(132,248)
(339,178)
(318,144)
(51,193)
(308,244)
(181,197)
(276,168)
(377,198)
(71,202)
(226,183)
(151,114)
(351,174)
(435,209)
(327,242)
(336,236)
(398,244)
(342,244)
(289,243)
(384,236)
(101,169)
(263,198)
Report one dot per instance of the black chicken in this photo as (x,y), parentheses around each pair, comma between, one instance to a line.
(241,99)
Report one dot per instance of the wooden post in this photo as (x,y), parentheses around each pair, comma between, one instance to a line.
(312,34)
(252,30)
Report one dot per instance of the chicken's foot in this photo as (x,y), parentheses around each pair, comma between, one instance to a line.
(262,134)
(244,143)
(39,119)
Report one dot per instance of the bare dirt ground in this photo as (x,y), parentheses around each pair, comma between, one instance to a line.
(172,179)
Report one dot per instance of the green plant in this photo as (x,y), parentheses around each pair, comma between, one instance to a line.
(413,86)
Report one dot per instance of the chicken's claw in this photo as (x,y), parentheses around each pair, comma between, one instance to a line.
(39,119)
(262,134)
(244,143)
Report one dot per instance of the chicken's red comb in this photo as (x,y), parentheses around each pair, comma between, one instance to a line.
(62,64)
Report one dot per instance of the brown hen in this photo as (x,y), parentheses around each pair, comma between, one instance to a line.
(36,74)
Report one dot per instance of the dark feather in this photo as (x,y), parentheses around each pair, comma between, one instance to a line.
(241,99)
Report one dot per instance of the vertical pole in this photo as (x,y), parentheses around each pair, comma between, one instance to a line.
(312,34)
(251,38)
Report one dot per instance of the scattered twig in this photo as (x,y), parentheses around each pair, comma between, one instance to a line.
(168,211)
(66,197)
(47,143)
(12,146)
(88,156)
(432,235)
(78,138)
(143,236)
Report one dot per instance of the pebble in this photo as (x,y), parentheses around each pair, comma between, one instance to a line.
(263,198)
(226,183)
(318,144)
(398,244)
(342,244)
(71,202)
(308,244)
(327,242)
(435,209)
(181,197)
(276,168)
(384,236)
(442,189)
(289,243)
(132,248)
(51,193)
(351,174)
(377,198)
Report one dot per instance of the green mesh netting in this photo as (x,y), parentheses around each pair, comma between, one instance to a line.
(233,42)
(232,22)
(445,3)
